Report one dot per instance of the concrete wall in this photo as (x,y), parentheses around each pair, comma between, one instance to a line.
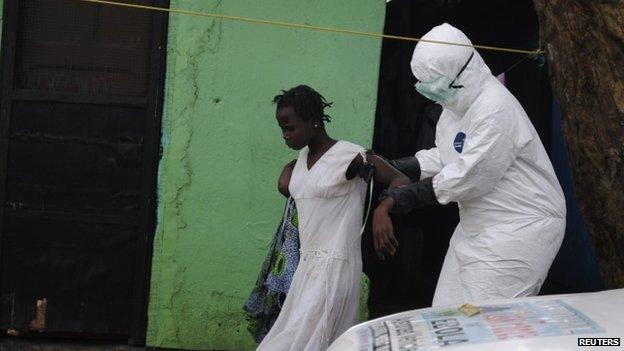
(218,204)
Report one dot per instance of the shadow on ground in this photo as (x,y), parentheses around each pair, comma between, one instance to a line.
(21,344)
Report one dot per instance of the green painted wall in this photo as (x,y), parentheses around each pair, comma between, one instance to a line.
(218,204)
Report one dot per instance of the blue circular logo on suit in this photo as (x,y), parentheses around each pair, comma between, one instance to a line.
(458,144)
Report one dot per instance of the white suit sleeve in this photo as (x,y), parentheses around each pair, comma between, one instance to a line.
(430,163)
(488,151)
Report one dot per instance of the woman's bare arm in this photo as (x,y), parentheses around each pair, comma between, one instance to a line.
(284,179)
(383,230)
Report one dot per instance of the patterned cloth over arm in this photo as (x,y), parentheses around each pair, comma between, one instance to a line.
(266,299)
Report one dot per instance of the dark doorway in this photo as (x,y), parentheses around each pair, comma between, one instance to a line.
(80,115)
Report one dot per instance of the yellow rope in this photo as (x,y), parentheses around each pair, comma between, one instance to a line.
(307,26)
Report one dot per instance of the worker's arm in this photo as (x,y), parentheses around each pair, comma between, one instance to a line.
(488,150)
(491,145)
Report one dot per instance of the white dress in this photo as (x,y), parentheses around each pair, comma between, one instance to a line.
(323,299)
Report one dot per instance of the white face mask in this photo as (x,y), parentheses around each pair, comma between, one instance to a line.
(443,89)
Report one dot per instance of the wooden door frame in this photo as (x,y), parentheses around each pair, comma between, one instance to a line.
(151,158)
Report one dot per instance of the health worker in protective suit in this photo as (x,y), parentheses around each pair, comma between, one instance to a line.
(489,159)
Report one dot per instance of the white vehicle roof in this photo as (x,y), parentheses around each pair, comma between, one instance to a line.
(554,322)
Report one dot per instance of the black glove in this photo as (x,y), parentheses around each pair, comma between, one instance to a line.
(412,196)
(364,171)
(408,166)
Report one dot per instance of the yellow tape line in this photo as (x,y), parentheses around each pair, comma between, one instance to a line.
(307,26)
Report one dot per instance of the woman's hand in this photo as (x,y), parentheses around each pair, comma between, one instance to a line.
(383,231)
(284,178)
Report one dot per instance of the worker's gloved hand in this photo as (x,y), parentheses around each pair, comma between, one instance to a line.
(411,197)
(362,170)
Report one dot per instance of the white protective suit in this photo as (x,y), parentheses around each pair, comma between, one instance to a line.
(489,159)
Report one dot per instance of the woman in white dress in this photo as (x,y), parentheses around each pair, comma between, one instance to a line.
(324,295)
